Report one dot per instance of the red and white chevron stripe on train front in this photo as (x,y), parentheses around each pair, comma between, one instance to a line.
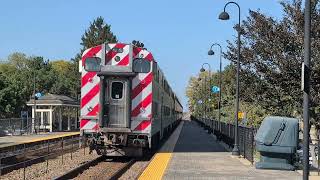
(141,126)
(123,56)
(89,125)
(139,52)
(141,96)
(90,88)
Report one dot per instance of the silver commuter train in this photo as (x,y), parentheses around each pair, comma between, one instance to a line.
(127,105)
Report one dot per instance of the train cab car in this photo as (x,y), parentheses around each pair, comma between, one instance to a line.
(127,105)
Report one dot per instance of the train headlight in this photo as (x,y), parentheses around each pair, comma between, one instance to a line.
(142,110)
(117,58)
(89,108)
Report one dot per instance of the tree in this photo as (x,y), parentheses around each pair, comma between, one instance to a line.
(65,80)
(59,77)
(98,33)
(271,54)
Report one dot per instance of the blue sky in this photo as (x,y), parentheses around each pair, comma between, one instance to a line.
(178,32)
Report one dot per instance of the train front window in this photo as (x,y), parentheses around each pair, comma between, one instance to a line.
(141,65)
(92,64)
(117,90)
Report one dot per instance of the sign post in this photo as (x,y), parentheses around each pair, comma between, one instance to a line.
(36,96)
(24,120)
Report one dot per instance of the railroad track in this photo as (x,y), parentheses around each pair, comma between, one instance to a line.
(31,153)
(99,168)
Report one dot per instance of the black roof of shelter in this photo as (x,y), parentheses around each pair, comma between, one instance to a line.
(54,100)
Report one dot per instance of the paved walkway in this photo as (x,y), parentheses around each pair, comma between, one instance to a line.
(196,155)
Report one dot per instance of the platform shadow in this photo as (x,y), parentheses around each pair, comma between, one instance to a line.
(193,138)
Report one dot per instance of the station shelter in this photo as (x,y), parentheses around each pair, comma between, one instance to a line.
(54,113)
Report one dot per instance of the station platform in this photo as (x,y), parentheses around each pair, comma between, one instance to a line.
(192,153)
(7,141)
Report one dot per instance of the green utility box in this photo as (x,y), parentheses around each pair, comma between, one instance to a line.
(277,142)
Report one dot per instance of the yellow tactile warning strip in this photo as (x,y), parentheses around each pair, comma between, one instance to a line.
(51,137)
(158,165)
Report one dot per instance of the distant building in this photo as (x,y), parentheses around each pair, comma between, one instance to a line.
(54,113)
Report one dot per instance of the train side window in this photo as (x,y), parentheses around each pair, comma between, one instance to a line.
(166,111)
(141,65)
(116,90)
(155,71)
(155,109)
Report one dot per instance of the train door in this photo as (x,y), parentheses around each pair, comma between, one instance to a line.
(118,102)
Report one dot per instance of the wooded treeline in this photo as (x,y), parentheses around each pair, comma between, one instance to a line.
(271,59)
(18,72)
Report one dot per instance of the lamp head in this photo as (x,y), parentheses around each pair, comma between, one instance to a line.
(210,52)
(224,16)
(202,70)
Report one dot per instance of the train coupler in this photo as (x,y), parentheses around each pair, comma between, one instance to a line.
(97,144)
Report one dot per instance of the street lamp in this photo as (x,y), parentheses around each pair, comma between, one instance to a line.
(306,88)
(211,53)
(202,97)
(205,82)
(225,16)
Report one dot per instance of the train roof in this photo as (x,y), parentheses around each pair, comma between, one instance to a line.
(136,50)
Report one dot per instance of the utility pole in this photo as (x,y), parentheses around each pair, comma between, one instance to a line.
(35,104)
(306,88)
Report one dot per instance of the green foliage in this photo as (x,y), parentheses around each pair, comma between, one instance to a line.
(271,57)
(99,32)
(196,91)
(19,72)
(273,52)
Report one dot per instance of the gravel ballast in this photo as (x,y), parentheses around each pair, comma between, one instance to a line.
(102,170)
(55,166)
(135,170)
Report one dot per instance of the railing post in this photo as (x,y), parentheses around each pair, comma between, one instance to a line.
(71,146)
(318,156)
(24,162)
(244,134)
(62,150)
(84,146)
(0,166)
(21,126)
(48,152)
(10,125)
(252,144)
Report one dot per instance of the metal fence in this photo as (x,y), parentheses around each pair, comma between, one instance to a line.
(245,135)
(24,155)
(314,159)
(15,126)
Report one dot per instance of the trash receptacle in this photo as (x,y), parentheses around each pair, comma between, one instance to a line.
(277,142)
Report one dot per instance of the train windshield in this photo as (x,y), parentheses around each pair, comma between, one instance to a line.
(92,64)
(141,65)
